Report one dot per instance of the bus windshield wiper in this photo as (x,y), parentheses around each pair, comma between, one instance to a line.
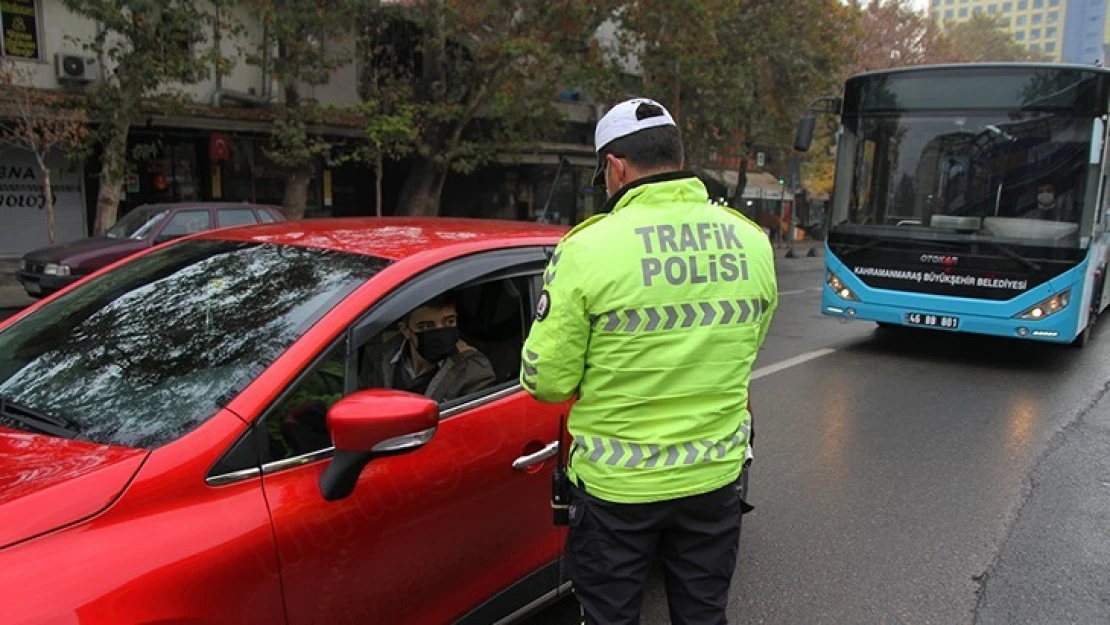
(860,248)
(40,421)
(1008,251)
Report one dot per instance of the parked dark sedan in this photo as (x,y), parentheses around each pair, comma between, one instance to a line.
(50,269)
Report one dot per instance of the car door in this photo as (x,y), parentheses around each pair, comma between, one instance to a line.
(458,529)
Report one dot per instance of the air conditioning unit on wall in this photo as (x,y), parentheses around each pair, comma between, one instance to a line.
(74,68)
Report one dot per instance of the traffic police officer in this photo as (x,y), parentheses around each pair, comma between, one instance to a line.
(652,315)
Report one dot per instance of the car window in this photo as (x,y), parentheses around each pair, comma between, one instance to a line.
(298,423)
(491,319)
(235,217)
(143,354)
(187,222)
(265,216)
(138,223)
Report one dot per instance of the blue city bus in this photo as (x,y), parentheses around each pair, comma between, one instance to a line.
(970,198)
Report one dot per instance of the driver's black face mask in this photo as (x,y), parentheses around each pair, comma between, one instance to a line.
(437,343)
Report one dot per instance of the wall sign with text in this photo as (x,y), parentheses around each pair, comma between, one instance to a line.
(19,28)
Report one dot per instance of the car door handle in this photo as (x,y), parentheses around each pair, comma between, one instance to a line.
(535,458)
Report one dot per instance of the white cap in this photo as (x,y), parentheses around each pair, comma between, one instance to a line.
(622,120)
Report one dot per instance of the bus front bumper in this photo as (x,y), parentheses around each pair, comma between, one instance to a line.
(1057,328)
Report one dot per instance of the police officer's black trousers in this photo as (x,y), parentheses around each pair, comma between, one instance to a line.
(611,548)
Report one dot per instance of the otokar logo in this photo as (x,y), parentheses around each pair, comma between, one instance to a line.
(936,259)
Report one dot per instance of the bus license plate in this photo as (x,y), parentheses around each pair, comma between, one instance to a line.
(932,321)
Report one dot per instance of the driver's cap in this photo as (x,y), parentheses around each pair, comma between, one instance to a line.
(626,118)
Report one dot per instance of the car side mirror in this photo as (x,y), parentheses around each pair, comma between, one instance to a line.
(372,424)
(803,138)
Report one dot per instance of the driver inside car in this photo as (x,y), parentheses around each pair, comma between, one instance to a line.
(428,357)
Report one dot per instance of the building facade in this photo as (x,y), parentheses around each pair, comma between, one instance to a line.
(1070,31)
(212,149)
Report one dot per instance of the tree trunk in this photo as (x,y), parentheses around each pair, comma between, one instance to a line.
(378,183)
(296,193)
(741,182)
(113,168)
(47,202)
(423,188)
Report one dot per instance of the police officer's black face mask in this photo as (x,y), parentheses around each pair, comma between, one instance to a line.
(435,344)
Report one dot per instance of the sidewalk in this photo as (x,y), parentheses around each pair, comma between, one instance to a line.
(12,295)
(808,255)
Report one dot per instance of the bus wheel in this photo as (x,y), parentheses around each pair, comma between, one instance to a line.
(1085,336)
(1081,341)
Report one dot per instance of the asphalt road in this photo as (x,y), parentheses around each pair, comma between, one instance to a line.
(919,477)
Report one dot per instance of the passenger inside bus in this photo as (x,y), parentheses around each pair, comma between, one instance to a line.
(1045,203)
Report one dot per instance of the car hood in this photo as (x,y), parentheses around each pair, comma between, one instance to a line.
(48,482)
(89,254)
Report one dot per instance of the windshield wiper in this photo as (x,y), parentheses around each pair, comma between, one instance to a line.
(1008,251)
(860,248)
(45,423)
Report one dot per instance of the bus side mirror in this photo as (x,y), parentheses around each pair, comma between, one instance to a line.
(804,137)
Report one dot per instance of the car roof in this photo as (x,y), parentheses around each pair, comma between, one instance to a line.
(396,238)
(194,205)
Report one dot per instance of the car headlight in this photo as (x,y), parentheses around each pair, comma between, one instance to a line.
(24,265)
(54,269)
(1047,308)
(838,287)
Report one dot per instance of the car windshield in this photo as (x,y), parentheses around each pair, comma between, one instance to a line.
(145,353)
(1014,179)
(138,223)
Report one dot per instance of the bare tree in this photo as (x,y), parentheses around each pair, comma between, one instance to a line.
(38,122)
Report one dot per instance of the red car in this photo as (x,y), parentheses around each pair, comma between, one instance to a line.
(188,436)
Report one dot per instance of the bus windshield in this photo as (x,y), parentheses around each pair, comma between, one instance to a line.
(1018,178)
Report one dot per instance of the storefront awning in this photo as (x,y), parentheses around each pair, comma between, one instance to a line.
(760,185)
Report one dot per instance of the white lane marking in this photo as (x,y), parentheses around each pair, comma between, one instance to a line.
(791,362)
(799,291)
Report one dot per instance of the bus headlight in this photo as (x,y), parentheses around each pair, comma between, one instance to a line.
(1047,308)
(838,287)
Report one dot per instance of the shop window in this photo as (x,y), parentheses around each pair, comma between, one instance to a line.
(248,176)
